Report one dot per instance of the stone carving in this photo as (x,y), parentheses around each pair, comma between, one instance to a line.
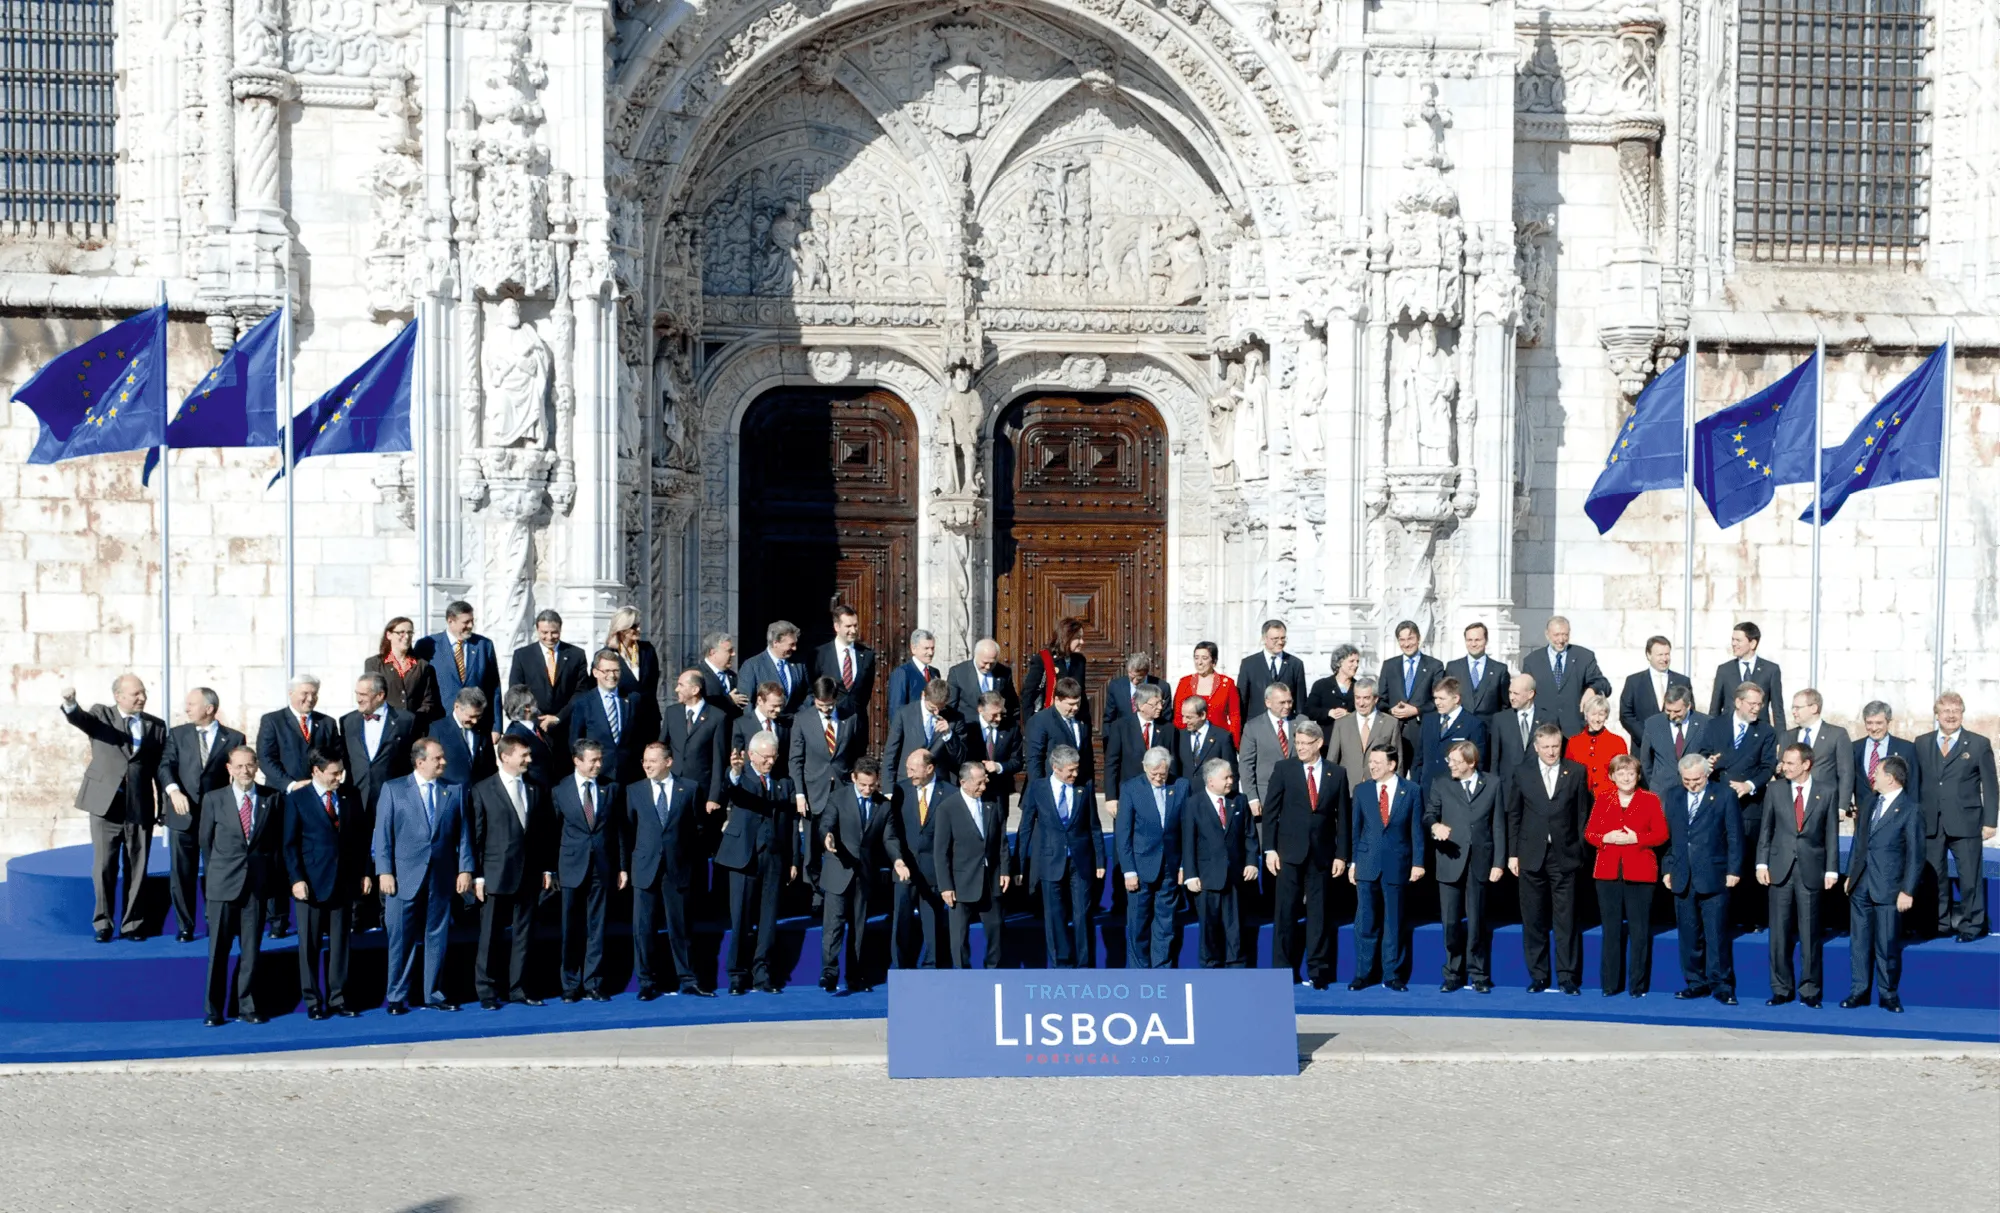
(1534,263)
(501,174)
(396,183)
(673,379)
(517,368)
(830,366)
(1082,372)
(1295,22)
(1427,237)
(1427,394)
(1591,81)
(353,38)
(516,480)
(1091,228)
(1308,393)
(814,226)
(958,436)
(955,99)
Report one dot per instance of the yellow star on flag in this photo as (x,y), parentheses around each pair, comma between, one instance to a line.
(1753,463)
(1859,468)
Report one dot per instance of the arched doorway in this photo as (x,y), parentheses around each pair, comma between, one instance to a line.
(1080,529)
(829,508)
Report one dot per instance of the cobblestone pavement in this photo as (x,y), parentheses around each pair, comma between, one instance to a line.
(1699,1132)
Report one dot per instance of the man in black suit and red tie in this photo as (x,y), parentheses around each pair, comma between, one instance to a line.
(553,669)
(1483,679)
(1406,685)
(1128,738)
(849,662)
(195,763)
(1961,806)
(1307,832)
(1270,666)
(119,792)
(286,742)
(326,839)
(1798,860)
(1645,693)
(1218,854)
(995,747)
(513,864)
(1873,746)
(242,840)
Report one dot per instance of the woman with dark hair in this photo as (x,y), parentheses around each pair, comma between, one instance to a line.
(1062,659)
(412,683)
(1218,688)
(1333,696)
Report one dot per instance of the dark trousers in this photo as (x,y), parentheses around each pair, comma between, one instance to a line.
(1626,907)
(1873,943)
(426,917)
(753,908)
(583,934)
(1706,960)
(183,875)
(1311,880)
(278,916)
(916,923)
(1219,926)
(665,904)
(335,920)
(241,922)
(1149,923)
(513,913)
(1548,899)
(1795,919)
(116,839)
(1378,931)
(1067,908)
(986,912)
(842,926)
(1970,915)
(1749,907)
(1468,937)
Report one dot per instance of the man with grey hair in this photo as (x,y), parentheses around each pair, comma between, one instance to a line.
(553,669)
(119,785)
(1874,745)
(720,684)
(1062,849)
(1565,671)
(286,741)
(1216,853)
(195,763)
(1268,739)
(377,740)
(908,680)
(984,674)
(1118,692)
(1831,748)
(1148,833)
(776,664)
(756,851)
(1704,853)
(522,721)
(1139,731)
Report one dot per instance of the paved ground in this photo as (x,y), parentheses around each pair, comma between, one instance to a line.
(1500,1116)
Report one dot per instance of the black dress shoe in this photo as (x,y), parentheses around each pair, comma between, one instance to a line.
(316,1013)
(829,984)
(213,1021)
(1810,1001)
(1854,1000)
(1398,985)
(347,1012)
(647,993)
(280,931)
(738,991)
(103,935)
(1777,1000)
(1538,987)
(1571,991)
(1359,983)
(1892,1004)
(1726,999)
(530,1002)
(252,1017)
(442,1006)
(1691,993)
(598,996)
(489,1004)
(697,992)
(1638,993)
(764,987)
(1482,987)
(572,995)
(183,936)
(1965,939)
(398,1008)
(1611,993)
(1451,987)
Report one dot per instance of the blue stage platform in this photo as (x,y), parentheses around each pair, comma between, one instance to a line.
(64,997)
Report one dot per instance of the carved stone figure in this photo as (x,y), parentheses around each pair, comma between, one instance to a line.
(517,368)
(396,184)
(1308,392)
(958,434)
(501,173)
(1250,383)
(1421,420)
(955,96)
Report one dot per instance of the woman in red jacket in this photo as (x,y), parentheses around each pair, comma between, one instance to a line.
(1215,687)
(1595,747)
(1625,825)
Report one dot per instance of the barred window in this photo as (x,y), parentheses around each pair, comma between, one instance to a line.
(1832,133)
(59,107)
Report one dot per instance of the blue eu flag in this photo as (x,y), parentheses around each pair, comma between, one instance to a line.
(107,395)
(1743,452)
(369,411)
(1649,451)
(236,404)
(1902,438)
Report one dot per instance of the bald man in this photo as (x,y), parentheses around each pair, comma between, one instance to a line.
(120,792)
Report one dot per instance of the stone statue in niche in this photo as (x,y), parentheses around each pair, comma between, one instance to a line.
(779,269)
(1426,400)
(673,378)
(396,182)
(1250,384)
(1222,432)
(958,434)
(955,90)
(1308,393)
(499,148)
(517,370)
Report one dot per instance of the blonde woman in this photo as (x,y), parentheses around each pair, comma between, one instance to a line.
(1595,747)
(638,668)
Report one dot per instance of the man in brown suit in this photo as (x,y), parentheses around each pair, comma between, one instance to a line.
(121,793)
(1362,730)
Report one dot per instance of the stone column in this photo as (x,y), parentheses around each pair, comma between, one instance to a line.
(259,85)
(1632,280)
(219,105)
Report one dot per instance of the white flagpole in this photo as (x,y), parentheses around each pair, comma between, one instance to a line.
(1819,457)
(420,443)
(1944,511)
(1687,498)
(291,475)
(166,545)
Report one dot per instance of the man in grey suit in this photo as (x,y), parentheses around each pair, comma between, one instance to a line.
(1366,728)
(1831,748)
(195,763)
(1512,732)
(1669,737)
(1484,678)
(1564,671)
(120,788)
(1798,859)
(1467,823)
(1745,666)
(1960,800)
(1268,740)
(242,840)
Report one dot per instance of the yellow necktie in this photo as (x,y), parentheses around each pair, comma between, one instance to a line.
(924,806)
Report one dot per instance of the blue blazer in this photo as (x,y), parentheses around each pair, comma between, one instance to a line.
(482,670)
(1047,846)
(1887,857)
(330,858)
(1864,792)
(1753,762)
(906,685)
(461,766)
(409,848)
(1148,847)
(1435,740)
(662,847)
(1387,853)
(760,668)
(1703,851)
(598,843)
(1047,730)
(587,722)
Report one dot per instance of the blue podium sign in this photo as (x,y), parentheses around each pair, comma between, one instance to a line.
(975,1023)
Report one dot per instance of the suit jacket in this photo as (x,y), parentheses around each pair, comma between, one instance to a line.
(1752,762)
(854,699)
(760,816)
(181,766)
(411,848)
(1959,794)
(1503,734)
(716,686)
(1217,847)
(1118,700)
(662,840)
(234,866)
(482,669)
(1887,857)
(283,754)
(1038,689)
(1387,852)
(1259,754)
(507,852)
(463,766)
(1580,674)
(1349,749)
(701,750)
(815,770)
(392,754)
(1637,704)
(964,681)
(907,683)
(1864,780)
(1833,758)
(746,726)
(1125,747)
(761,668)
(587,722)
(643,680)
(530,669)
(1394,690)
(541,763)
(912,835)
(1302,829)
(906,736)
(1478,823)
(1729,676)
(1783,845)
(860,848)
(416,694)
(593,843)
(1005,750)
(1148,846)
(330,854)
(1546,832)
(1324,697)
(1048,845)
(1487,699)
(1658,763)
(1700,853)
(1437,739)
(1047,730)
(1253,676)
(969,858)
(1215,743)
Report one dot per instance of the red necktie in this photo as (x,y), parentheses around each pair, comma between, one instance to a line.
(1799,806)
(1385,806)
(1874,760)
(1147,729)
(243,813)
(1221,812)
(1312,789)
(1680,741)
(847,667)
(305,727)
(589,806)
(1284,747)
(928,673)
(331,815)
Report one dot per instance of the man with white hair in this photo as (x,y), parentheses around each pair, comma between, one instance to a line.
(908,680)
(984,674)
(756,851)
(196,762)
(286,742)
(1148,834)
(126,744)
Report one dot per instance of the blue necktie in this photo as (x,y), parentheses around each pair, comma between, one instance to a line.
(1478,667)
(865,806)
(660,803)
(1881,807)
(1062,804)
(430,805)
(1160,805)
(1741,729)
(1562,659)
(785,678)
(611,716)
(1694,806)
(1409,677)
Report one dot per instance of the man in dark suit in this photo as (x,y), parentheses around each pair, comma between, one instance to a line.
(376,738)
(1645,693)
(1742,753)
(1307,837)
(1832,749)
(590,848)
(1062,723)
(908,680)
(468,747)
(524,722)
(823,748)
(423,860)
(849,662)
(551,668)
(1482,680)
(513,864)
(1744,665)
(1388,857)
(756,850)
(194,763)
(1218,853)
(1512,732)
(973,867)
(1467,822)
(1270,666)
(698,738)
(326,837)
(286,742)
(1147,831)
(776,664)
(1548,806)
(766,715)
(851,824)
(1961,805)
(1136,731)
(1669,737)
(1564,672)
(721,686)
(995,747)
(1269,738)
(1062,851)
(1443,730)
(923,725)
(984,674)
(461,657)
(1883,868)
(911,844)
(1704,854)
(1118,692)
(1362,730)
(662,843)
(1407,682)
(603,715)
(1870,749)
(1798,859)
(1200,741)
(241,837)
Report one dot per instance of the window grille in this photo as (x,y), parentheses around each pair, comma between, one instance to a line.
(59,109)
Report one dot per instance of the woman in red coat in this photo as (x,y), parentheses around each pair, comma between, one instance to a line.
(1595,747)
(1217,688)
(1625,825)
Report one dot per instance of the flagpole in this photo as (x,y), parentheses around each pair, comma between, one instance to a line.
(166,541)
(1687,499)
(420,443)
(1944,511)
(291,475)
(1819,457)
